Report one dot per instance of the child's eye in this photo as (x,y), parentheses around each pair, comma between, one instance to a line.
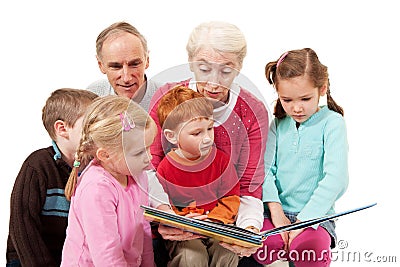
(286,100)
(306,98)
(196,133)
(139,153)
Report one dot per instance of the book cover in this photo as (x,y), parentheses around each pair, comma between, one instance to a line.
(230,233)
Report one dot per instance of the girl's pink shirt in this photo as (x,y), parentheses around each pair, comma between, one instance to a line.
(106,226)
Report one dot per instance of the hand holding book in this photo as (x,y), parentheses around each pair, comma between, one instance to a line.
(177,234)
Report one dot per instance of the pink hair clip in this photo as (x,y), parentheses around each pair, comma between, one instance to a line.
(127,123)
(281,59)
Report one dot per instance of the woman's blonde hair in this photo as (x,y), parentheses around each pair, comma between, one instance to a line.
(103,126)
(220,36)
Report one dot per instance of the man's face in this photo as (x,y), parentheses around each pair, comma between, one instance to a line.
(124,61)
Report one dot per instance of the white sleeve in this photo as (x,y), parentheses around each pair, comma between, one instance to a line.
(157,195)
(251,212)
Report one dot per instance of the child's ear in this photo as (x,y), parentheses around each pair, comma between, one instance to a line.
(171,136)
(323,89)
(102,154)
(61,129)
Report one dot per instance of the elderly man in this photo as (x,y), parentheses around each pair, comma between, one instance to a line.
(123,56)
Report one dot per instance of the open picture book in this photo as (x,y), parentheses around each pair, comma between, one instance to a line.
(229,233)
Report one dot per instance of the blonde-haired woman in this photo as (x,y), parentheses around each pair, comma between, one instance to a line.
(216,51)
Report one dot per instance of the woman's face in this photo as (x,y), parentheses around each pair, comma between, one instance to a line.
(214,72)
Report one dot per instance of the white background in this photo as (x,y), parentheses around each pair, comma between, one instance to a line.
(46,45)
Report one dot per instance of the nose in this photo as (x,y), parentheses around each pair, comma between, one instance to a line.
(297,108)
(147,157)
(207,139)
(126,76)
(213,79)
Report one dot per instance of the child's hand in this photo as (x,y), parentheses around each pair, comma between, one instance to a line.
(166,207)
(294,233)
(176,234)
(279,219)
(197,216)
(239,250)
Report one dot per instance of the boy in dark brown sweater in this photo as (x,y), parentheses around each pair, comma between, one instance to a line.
(38,207)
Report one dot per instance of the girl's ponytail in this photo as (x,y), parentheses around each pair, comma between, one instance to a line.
(270,74)
(72,180)
(279,112)
(81,160)
(332,105)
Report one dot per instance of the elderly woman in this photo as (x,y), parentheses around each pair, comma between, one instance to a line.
(216,51)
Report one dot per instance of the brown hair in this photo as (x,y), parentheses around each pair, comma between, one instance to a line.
(65,104)
(102,127)
(181,104)
(119,27)
(295,63)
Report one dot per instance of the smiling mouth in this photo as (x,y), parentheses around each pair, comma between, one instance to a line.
(126,86)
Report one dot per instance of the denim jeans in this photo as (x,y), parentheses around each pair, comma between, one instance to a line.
(13,263)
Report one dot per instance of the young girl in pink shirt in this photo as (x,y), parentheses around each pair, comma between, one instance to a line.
(106,226)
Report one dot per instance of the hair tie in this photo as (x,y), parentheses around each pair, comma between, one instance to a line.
(281,59)
(127,123)
(77,163)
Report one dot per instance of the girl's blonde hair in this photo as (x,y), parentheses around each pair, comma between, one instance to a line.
(221,36)
(103,126)
(296,63)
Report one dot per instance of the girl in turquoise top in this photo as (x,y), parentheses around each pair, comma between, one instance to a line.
(305,161)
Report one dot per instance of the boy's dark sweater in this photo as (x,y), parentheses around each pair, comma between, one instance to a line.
(39,210)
